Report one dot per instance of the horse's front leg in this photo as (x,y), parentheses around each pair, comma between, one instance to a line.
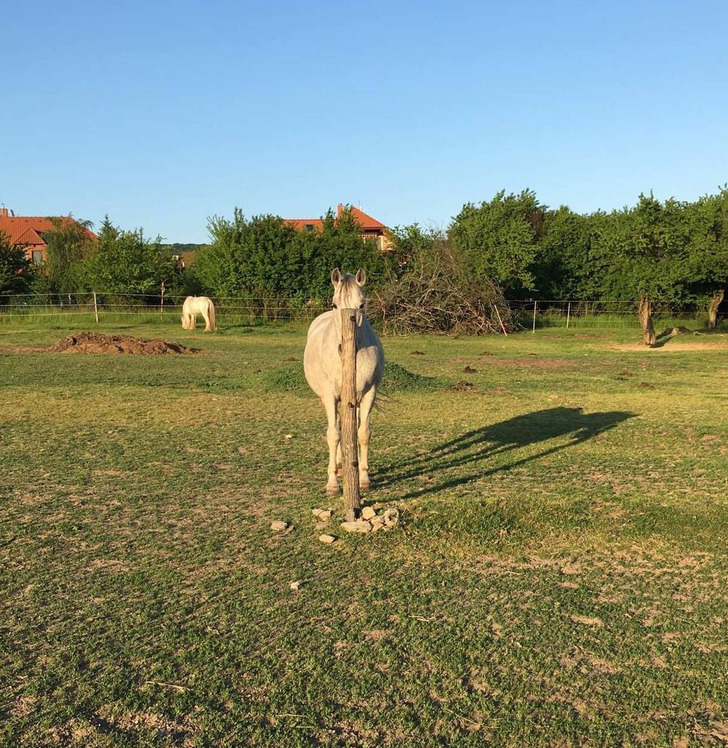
(365,431)
(333,438)
(339,458)
(207,321)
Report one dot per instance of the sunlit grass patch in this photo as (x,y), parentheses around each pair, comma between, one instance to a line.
(558,575)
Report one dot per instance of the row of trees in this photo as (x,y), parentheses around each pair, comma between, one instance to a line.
(121,262)
(262,256)
(673,253)
(266,256)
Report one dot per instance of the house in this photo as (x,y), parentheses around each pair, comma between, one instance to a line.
(369,227)
(27,232)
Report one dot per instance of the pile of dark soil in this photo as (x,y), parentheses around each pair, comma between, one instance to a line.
(96,342)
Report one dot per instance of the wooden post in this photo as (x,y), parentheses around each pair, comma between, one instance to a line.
(568,315)
(161,300)
(535,304)
(96,309)
(497,314)
(349,442)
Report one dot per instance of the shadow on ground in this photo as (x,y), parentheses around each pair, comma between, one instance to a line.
(477,448)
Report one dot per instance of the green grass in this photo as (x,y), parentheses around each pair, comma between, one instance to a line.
(558,577)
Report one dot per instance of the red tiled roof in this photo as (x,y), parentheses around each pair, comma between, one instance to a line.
(28,236)
(300,223)
(28,230)
(365,221)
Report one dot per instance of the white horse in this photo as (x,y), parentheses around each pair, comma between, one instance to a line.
(195,305)
(323,368)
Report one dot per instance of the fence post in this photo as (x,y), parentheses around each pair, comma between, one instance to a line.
(568,315)
(161,300)
(349,443)
(535,304)
(96,309)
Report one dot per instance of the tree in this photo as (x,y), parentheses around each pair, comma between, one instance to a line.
(500,239)
(647,249)
(707,264)
(16,271)
(126,262)
(564,267)
(339,244)
(219,266)
(68,246)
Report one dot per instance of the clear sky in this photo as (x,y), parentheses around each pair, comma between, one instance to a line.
(164,112)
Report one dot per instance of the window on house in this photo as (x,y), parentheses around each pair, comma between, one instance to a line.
(37,257)
(308,227)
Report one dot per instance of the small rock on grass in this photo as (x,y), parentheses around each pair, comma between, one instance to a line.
(326,538)
(322,514)
(357,525)
(391,517)
(278,525)
(368,512)
(295,586)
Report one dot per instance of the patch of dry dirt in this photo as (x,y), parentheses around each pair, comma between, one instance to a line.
(532,361)
(709,343)
(96,342)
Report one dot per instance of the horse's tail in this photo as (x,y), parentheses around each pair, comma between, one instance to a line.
(211,312)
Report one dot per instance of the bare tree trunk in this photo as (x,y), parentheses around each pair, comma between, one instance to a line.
(715,303)
(648,329)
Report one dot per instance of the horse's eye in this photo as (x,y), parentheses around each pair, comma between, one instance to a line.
(334,305)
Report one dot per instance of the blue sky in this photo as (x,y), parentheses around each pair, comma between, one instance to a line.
(163,113)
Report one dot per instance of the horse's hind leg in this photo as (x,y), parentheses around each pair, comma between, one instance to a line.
(207,321)
(333,439)
(365,431)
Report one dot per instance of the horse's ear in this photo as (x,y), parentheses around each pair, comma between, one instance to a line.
(361,276)
(336,276)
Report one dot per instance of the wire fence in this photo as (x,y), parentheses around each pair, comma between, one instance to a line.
(149,308)
(153,306)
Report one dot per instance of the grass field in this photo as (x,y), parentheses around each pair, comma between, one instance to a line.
(559,576)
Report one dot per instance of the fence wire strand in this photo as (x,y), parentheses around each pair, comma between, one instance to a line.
(263,309)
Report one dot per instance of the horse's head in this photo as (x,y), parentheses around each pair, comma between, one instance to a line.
(348,293)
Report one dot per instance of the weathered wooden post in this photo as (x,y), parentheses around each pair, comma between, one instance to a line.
(568,315)
(535,307)
(96,309)
(349,442)
(497,314)
(161,300)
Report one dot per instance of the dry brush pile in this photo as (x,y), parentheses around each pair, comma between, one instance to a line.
(436,295)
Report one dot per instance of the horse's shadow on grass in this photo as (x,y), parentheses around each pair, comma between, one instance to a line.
(477,448)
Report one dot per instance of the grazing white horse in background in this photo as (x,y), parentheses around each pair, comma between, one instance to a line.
(323,368)
(195,305)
